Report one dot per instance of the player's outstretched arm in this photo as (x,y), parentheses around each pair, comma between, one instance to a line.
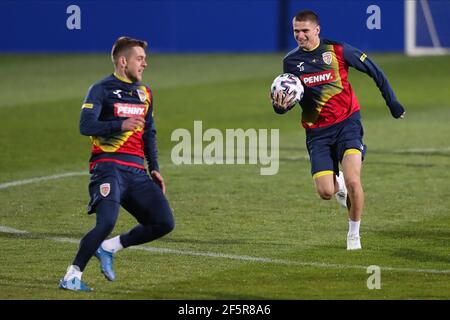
(361,62)
(397,110)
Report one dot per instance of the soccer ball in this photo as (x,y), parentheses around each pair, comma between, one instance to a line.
(288,83)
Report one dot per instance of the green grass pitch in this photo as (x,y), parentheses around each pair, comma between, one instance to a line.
(239,235)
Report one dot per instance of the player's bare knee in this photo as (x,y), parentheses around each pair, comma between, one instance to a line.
(353,185)
(325,194)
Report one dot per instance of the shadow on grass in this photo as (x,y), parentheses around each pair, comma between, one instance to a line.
(434,239)
(420,256)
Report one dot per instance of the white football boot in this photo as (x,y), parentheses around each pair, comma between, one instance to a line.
(341,195)
(353,242)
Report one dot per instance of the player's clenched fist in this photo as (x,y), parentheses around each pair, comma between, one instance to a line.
(133,123)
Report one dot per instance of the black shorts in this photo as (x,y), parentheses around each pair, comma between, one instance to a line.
(130,187)
(327,145)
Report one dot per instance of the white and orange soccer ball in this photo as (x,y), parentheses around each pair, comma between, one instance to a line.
(288,83)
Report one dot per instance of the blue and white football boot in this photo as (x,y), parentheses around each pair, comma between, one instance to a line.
(74,284)
(106,263)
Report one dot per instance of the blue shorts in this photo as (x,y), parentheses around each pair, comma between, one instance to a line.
(130,187)
(327,145)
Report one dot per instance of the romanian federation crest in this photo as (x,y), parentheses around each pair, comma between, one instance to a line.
(327,57)
(142,95)
(105,189)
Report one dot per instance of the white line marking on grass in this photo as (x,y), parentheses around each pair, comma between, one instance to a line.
(46,178)
(83,173)
(4,229)
(9,230)
(15,183)
(39,179)
(282,261)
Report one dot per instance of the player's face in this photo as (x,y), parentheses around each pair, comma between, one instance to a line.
(306,33)
(135,64)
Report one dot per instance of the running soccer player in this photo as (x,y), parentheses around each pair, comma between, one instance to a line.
(330,114)
(117,114)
